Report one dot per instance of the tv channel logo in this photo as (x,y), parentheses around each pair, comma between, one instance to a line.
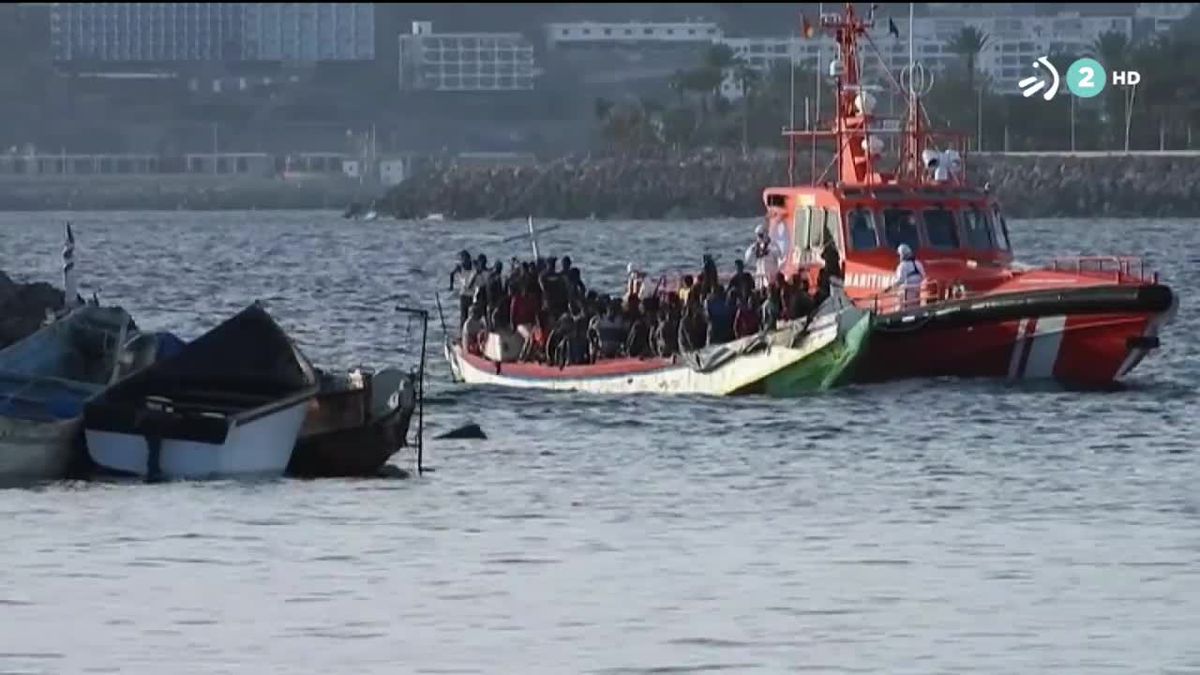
(1034,83)
(1085,78)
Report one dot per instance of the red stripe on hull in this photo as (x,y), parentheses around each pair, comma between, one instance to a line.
(606,368)
(1092,350)
(1026,345)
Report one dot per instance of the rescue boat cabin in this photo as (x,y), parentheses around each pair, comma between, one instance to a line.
(956,230)
(958,233)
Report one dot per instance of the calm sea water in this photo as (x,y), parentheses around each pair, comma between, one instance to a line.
(915,527)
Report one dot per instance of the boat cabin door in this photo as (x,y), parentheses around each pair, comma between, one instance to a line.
(814,227)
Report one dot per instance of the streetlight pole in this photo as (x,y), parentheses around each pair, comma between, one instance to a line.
(1129,113)
(979,119)
(1072,122)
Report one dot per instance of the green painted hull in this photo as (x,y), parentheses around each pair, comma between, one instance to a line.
(823,369)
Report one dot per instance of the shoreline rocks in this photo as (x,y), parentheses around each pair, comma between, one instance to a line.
(715,185)
(23,307)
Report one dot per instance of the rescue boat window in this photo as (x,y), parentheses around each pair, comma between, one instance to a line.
(861,224)
(940,230)
(1000,230)
(833,228)
(979,233)
(816,227)
(900,227)
(803,216)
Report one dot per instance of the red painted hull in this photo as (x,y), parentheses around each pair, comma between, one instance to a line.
(1082,349)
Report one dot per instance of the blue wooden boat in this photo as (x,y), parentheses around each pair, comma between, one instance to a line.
(46,378)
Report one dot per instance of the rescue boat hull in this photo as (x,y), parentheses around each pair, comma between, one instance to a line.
(1082,337)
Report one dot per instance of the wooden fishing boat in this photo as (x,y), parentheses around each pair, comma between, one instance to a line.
(45,379)
(974,311)
(799,357)
(228,404)
(355,424)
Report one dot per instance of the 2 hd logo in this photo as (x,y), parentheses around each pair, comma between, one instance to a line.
(1085,78)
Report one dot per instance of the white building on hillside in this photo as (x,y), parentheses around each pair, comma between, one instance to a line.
(598,33)
(465,61)
(1016,37)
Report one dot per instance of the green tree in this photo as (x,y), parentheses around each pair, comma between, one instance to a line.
(969,43)
(1113,50)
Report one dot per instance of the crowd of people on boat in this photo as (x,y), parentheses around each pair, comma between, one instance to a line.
(542,311)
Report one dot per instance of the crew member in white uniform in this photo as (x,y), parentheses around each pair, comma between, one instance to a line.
(764,255)
(909,275)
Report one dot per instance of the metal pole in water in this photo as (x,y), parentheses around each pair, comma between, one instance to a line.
(421,395)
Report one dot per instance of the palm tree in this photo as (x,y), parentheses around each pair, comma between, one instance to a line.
(748,79)
(969,43)
(717,60)
(1111,49)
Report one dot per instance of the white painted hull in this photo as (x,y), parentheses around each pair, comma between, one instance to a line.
(740,373)
(33,451)
(261,448)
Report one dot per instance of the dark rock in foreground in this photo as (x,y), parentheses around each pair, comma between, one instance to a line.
(466,432)
(715,185)
(23,307)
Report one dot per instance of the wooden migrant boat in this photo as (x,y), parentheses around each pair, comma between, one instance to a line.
(799,357)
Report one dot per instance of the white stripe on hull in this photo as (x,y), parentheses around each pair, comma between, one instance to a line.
(1043,351)
(1035,351)
(259,448)
(31,451)
(738,373)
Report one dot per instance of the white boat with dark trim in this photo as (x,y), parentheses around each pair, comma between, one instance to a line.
(228,404)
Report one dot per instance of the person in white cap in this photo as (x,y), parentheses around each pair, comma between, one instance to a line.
(764,255)
(909,275)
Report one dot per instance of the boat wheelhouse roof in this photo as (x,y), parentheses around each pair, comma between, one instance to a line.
(891,192)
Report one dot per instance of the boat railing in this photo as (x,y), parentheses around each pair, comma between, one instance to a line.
(1119,268)
(932,292)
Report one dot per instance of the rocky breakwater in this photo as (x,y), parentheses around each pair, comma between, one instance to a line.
(23,307)
(1145,186)
(713,185)
(697,186)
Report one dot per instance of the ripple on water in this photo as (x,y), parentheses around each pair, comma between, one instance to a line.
(966,525)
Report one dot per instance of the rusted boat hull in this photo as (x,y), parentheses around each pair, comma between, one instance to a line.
(354,452)
(353,432)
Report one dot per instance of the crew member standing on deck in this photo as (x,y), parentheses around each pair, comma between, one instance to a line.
(765,256)
(909,275)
